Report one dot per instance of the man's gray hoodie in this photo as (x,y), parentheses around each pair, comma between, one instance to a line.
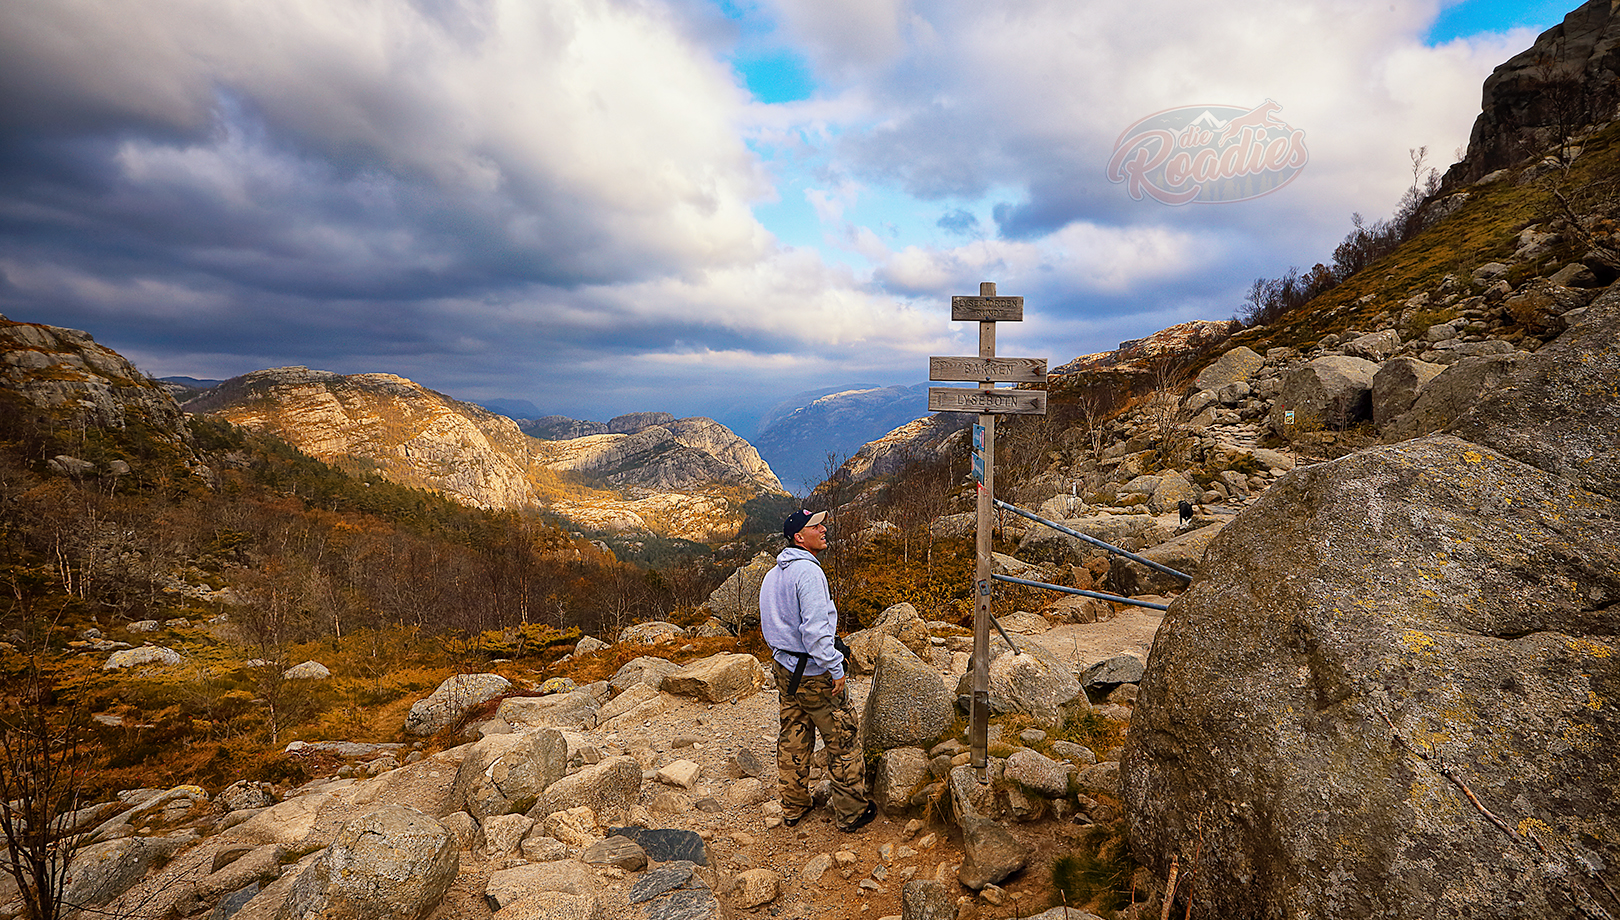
(796,613)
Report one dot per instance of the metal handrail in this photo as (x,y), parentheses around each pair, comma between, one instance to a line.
(1159,567)
(1107,597)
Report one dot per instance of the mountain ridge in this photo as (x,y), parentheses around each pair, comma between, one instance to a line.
(685,478)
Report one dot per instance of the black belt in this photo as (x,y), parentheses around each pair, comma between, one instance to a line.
(804,658)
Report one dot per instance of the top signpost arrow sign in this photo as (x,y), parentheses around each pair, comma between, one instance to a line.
(987,309)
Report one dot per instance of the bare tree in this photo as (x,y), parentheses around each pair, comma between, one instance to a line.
(1165,413)
(43,753)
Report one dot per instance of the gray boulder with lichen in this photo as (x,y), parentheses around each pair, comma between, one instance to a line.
(1392,692)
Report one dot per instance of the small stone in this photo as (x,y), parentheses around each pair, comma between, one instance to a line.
(748,763)
(709,805)
(880,872)
(668,801)
(814,868)
(927,842)
(912,828)
(869,885)
(682,773)
(755,887)
(994,895)
(540,848)
(845,857)
(621,852)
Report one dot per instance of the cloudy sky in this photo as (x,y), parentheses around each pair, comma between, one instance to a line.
(698,206)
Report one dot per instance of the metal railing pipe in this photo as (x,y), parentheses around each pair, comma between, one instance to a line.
(1097,594)
(1158,567)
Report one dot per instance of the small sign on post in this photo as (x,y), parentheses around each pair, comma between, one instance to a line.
(988,401)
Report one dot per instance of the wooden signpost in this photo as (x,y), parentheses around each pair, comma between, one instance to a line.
(987,370)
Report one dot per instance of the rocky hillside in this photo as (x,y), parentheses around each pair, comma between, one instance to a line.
(414,436)
(64,373)
(687,478)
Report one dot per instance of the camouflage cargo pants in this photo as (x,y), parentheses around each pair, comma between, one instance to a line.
(815,707)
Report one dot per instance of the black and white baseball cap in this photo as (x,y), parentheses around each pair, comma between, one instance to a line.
(799,520)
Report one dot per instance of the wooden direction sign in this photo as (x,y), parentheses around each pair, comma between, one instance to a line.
(987,309)
(987,402)
(1005,370)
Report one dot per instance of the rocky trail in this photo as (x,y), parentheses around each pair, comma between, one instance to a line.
(701,775)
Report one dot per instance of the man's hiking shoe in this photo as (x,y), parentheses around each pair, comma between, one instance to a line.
(795,819)
(861,820)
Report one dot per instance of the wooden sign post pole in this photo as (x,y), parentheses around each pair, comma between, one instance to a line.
(979,718)
(988,402)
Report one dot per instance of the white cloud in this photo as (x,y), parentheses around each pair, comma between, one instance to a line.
(482,192)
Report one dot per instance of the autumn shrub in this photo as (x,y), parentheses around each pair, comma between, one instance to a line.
(1096,875)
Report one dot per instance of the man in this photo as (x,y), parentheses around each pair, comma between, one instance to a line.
(800,624)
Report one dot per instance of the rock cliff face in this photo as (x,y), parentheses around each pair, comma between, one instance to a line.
(686,478)
(65,371)
(415,436)
(673,456)
(1562,84)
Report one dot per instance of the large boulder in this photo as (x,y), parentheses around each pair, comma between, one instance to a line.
(1451,393)
(908,703)
(573,710)
(1171,490)
(103,871)
(392,863)
(1393,696)
(653,632)
(1237,365)
(1042,544)
(507,772)
(451,700)
(1374,346)
(1185,554)
(1329,392)
(1560,411)
(990,853)
(141,656)
(901,622)
(643,670)
(897,774)
(717,678)
(609,788)
(736,601)
(1033,681)
(1396,386)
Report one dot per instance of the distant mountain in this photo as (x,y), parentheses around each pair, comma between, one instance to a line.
(515,409)
(183,388)
(560,428)
(796,436)
(688,478)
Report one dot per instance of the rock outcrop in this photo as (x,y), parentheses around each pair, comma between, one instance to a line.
(65,371)
(1393,693)
(415,436)
(1566,81)
(645,472)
